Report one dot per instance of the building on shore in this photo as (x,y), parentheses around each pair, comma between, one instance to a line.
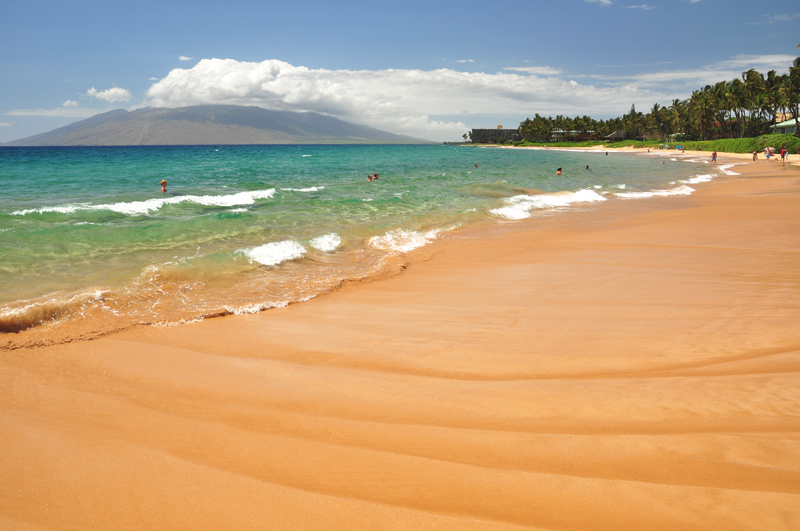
(616,136)
(559,135)
(495,136)
(788,127)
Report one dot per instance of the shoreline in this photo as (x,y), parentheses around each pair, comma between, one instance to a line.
(746,157)
(625,365)
(87,313)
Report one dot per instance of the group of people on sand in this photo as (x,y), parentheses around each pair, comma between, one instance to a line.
(769,152)
(372,177)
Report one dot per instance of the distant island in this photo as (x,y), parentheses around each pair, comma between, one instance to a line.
(211,124)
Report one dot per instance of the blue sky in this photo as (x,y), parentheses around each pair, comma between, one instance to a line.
(428,69)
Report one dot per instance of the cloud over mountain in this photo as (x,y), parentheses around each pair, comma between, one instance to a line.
(411,102)
(111,95)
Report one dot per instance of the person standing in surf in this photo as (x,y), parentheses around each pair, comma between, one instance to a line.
(163,185)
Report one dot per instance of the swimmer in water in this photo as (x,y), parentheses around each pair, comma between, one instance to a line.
(370,178)
(164,185)
(375,178)
(558,171)
(476,164)
(587,166)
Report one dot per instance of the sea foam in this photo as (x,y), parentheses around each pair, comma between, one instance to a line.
(135,208)
(403,241)
(698,179)
(275,252)
(726,169)
(519,206)
(680,190)
(326,242)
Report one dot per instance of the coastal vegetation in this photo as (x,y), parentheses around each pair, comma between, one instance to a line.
(733,116)
(727,145)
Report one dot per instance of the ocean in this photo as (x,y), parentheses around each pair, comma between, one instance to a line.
(87,237)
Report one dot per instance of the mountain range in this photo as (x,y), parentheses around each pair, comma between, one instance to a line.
(210,124)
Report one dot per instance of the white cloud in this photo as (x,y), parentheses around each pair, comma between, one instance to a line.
(111,95)
(184,58)
(601,2)
(778,61)
(413,102)
(61,112)
(540,70)
(692,79)
(5,124)
(152,79)
(773,18)
(70,103)
(435,104)
(643,7)
(466,61)
(788,17)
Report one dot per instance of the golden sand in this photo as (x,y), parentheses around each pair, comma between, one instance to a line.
(631,365)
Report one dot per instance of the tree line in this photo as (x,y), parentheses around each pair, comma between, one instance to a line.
(746,107)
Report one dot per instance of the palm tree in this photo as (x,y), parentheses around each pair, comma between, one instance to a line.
(702,112)
(772,94)
(791,92)
(723,104)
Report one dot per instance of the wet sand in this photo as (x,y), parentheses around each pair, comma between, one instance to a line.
(627,365)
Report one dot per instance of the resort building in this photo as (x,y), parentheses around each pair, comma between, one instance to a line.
(560,135)
(494,136)
(616,135)
(789,127)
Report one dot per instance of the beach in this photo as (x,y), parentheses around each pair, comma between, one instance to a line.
(620,365)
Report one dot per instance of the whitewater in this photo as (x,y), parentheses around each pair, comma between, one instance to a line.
(86,234)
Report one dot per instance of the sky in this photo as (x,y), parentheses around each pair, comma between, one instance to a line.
(431,70)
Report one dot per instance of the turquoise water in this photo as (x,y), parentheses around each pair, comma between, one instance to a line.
(87,233)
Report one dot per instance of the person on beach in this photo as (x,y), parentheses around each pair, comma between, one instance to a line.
(164,185)
(558,171)
(755,155)
(714,156)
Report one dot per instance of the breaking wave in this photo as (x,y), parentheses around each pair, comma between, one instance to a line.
(403,241)
(680,190)
(137,208)
(274,253)
(519,206)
